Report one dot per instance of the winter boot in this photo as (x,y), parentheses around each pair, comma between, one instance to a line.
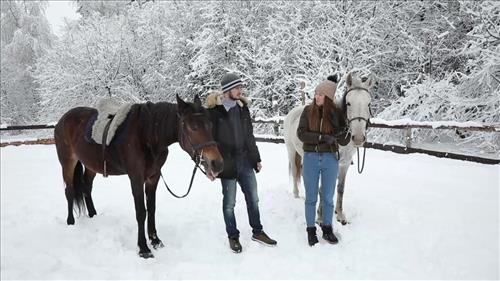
(328,234)
(264,239)
(234,244)
(311,235)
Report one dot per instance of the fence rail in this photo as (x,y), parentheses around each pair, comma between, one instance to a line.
(276,123)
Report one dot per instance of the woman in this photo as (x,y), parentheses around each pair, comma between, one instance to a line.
(317,129)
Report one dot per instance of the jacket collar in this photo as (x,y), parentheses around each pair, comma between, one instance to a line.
(214,98)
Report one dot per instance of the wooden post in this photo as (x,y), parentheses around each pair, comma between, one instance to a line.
(408,137)
(277,129)
(303,94)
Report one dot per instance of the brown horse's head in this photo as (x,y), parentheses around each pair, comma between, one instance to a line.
(195,135)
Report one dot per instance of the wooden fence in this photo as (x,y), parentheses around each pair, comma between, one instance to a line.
(407,149)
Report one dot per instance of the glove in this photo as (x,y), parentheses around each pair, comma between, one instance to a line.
(329,139)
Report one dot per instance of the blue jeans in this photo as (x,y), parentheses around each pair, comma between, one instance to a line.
(315,165)
(248,183)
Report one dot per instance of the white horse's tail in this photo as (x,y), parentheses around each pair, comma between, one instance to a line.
(298,168)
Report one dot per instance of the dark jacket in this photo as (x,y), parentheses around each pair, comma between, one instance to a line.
(223,134)
(313,141)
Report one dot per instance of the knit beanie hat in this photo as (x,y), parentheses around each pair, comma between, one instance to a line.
(327,87)
(229,81)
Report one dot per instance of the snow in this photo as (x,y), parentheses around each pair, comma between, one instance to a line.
(275,119)
(434,124)
(412,217)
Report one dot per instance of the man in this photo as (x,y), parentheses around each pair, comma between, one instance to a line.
(233,131)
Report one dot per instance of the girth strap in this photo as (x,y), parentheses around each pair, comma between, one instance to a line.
(104,138)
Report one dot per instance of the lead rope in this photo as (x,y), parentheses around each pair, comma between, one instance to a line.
(363,164)
(197,160)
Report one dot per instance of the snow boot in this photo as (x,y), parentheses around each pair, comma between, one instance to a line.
(311,235)
(234,244)
(328,234)
(264,239)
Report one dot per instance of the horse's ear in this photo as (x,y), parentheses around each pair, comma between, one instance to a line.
(349,80)
(181,104)
(370,81)
(197,101)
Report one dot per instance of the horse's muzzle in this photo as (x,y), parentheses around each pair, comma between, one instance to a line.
(358,142)
(216,166)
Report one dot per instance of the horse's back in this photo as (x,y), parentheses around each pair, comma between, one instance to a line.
(290,125)
(71,125)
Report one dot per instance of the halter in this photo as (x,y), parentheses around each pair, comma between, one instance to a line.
(195,156)
(196,149)
(359,117)
(360,170)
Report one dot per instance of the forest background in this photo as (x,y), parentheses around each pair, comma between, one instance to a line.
(433,60)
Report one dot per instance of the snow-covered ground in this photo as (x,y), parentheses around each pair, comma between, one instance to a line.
(412,217)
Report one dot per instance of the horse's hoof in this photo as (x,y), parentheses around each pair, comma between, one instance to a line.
(157,244)
(70,221)
(343,222)
(146,255)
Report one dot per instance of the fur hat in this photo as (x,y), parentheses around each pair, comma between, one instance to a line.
(229,81)
(328,87)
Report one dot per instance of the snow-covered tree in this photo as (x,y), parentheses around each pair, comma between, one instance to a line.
(25,36)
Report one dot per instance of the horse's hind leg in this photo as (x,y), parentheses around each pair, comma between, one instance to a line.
(88,178)
(151,184)
(68,170)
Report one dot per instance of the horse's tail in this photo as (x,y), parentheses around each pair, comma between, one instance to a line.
(79,187)
(298,168)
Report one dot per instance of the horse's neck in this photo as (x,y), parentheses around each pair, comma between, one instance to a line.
(164,124)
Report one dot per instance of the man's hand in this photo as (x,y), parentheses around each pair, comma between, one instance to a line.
(259,167)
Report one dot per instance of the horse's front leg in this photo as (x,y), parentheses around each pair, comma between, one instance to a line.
(340,194)
(151,184)
(137,183)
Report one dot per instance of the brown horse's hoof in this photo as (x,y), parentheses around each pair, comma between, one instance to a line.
(157,244)
(70,221)
(146,255)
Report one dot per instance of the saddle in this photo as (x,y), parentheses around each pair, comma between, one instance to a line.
(110,114)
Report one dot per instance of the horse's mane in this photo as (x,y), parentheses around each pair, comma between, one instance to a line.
(158,122)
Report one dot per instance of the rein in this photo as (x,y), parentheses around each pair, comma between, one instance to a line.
(190,183)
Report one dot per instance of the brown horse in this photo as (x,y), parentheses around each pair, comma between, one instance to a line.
(139,150)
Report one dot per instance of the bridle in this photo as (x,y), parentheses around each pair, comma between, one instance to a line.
(196,149)
(367,122)
(196,152)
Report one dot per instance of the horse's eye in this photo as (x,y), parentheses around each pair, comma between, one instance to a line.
(348,104)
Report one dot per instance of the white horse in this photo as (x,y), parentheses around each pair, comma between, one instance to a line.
(354,109)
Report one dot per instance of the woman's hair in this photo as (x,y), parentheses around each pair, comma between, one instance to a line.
(328,116)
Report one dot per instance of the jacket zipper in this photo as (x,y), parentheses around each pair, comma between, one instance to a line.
(320,129)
